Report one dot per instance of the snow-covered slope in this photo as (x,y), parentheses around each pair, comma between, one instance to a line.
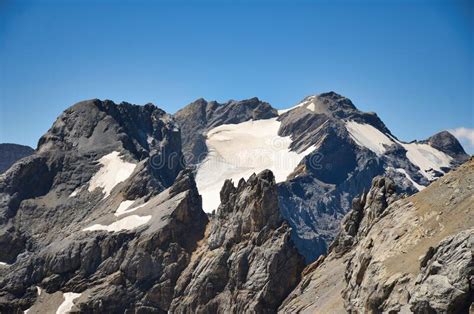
(368,136)
(238,150)
(421,155)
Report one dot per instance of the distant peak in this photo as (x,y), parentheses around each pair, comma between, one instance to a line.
(332,95)
(448,143)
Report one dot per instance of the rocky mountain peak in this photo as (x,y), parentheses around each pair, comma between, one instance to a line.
(245,209)
(247,263)
(93,126)
(447,143)
(335,101)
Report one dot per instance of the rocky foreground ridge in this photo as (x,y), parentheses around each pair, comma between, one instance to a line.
(413,254)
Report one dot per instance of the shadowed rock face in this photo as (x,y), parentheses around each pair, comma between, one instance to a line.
(247,262)
(10,153)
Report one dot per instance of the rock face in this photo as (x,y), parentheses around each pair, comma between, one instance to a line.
(412,254)
(247,262)
(200,116)
(446,142)
(10,153)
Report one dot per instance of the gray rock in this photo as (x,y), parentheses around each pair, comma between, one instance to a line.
(247,262)
(10,153)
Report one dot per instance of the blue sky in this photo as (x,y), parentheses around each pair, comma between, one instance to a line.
(409,61)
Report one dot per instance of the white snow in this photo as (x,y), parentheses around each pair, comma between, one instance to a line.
(426,157)
(76,191)
(149,140)
(123,208)
(113,171)
(419,187)
(126,223)
(311,107)
(306,101)
(238,150)
(38,290)
(366,135)
(4,264)
(67,304)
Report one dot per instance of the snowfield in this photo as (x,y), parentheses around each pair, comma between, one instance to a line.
(113,171)
(67,304)
(368,136)
(306,101)
(124,208)
(238,150)
(426,157)
(126,223)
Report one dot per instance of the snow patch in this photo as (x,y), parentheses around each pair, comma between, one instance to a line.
(365,135)
(426,158)
(311,107)
(113,171)
(76,191)
(419,187)
(126,223)
(123,208)
(306,101)
(68,303)
(4,264)
(238,150)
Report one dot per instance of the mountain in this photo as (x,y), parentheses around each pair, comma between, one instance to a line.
(10,153)
(396,254)
(104,218)
(108,214)
(323,153)
(95,205)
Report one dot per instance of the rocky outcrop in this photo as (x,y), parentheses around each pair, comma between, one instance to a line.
(247,262)
(320,289)
(199,116)
(444,283)
(411,254)
(10,153)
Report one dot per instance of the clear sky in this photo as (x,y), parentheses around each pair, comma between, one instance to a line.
(409,61)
